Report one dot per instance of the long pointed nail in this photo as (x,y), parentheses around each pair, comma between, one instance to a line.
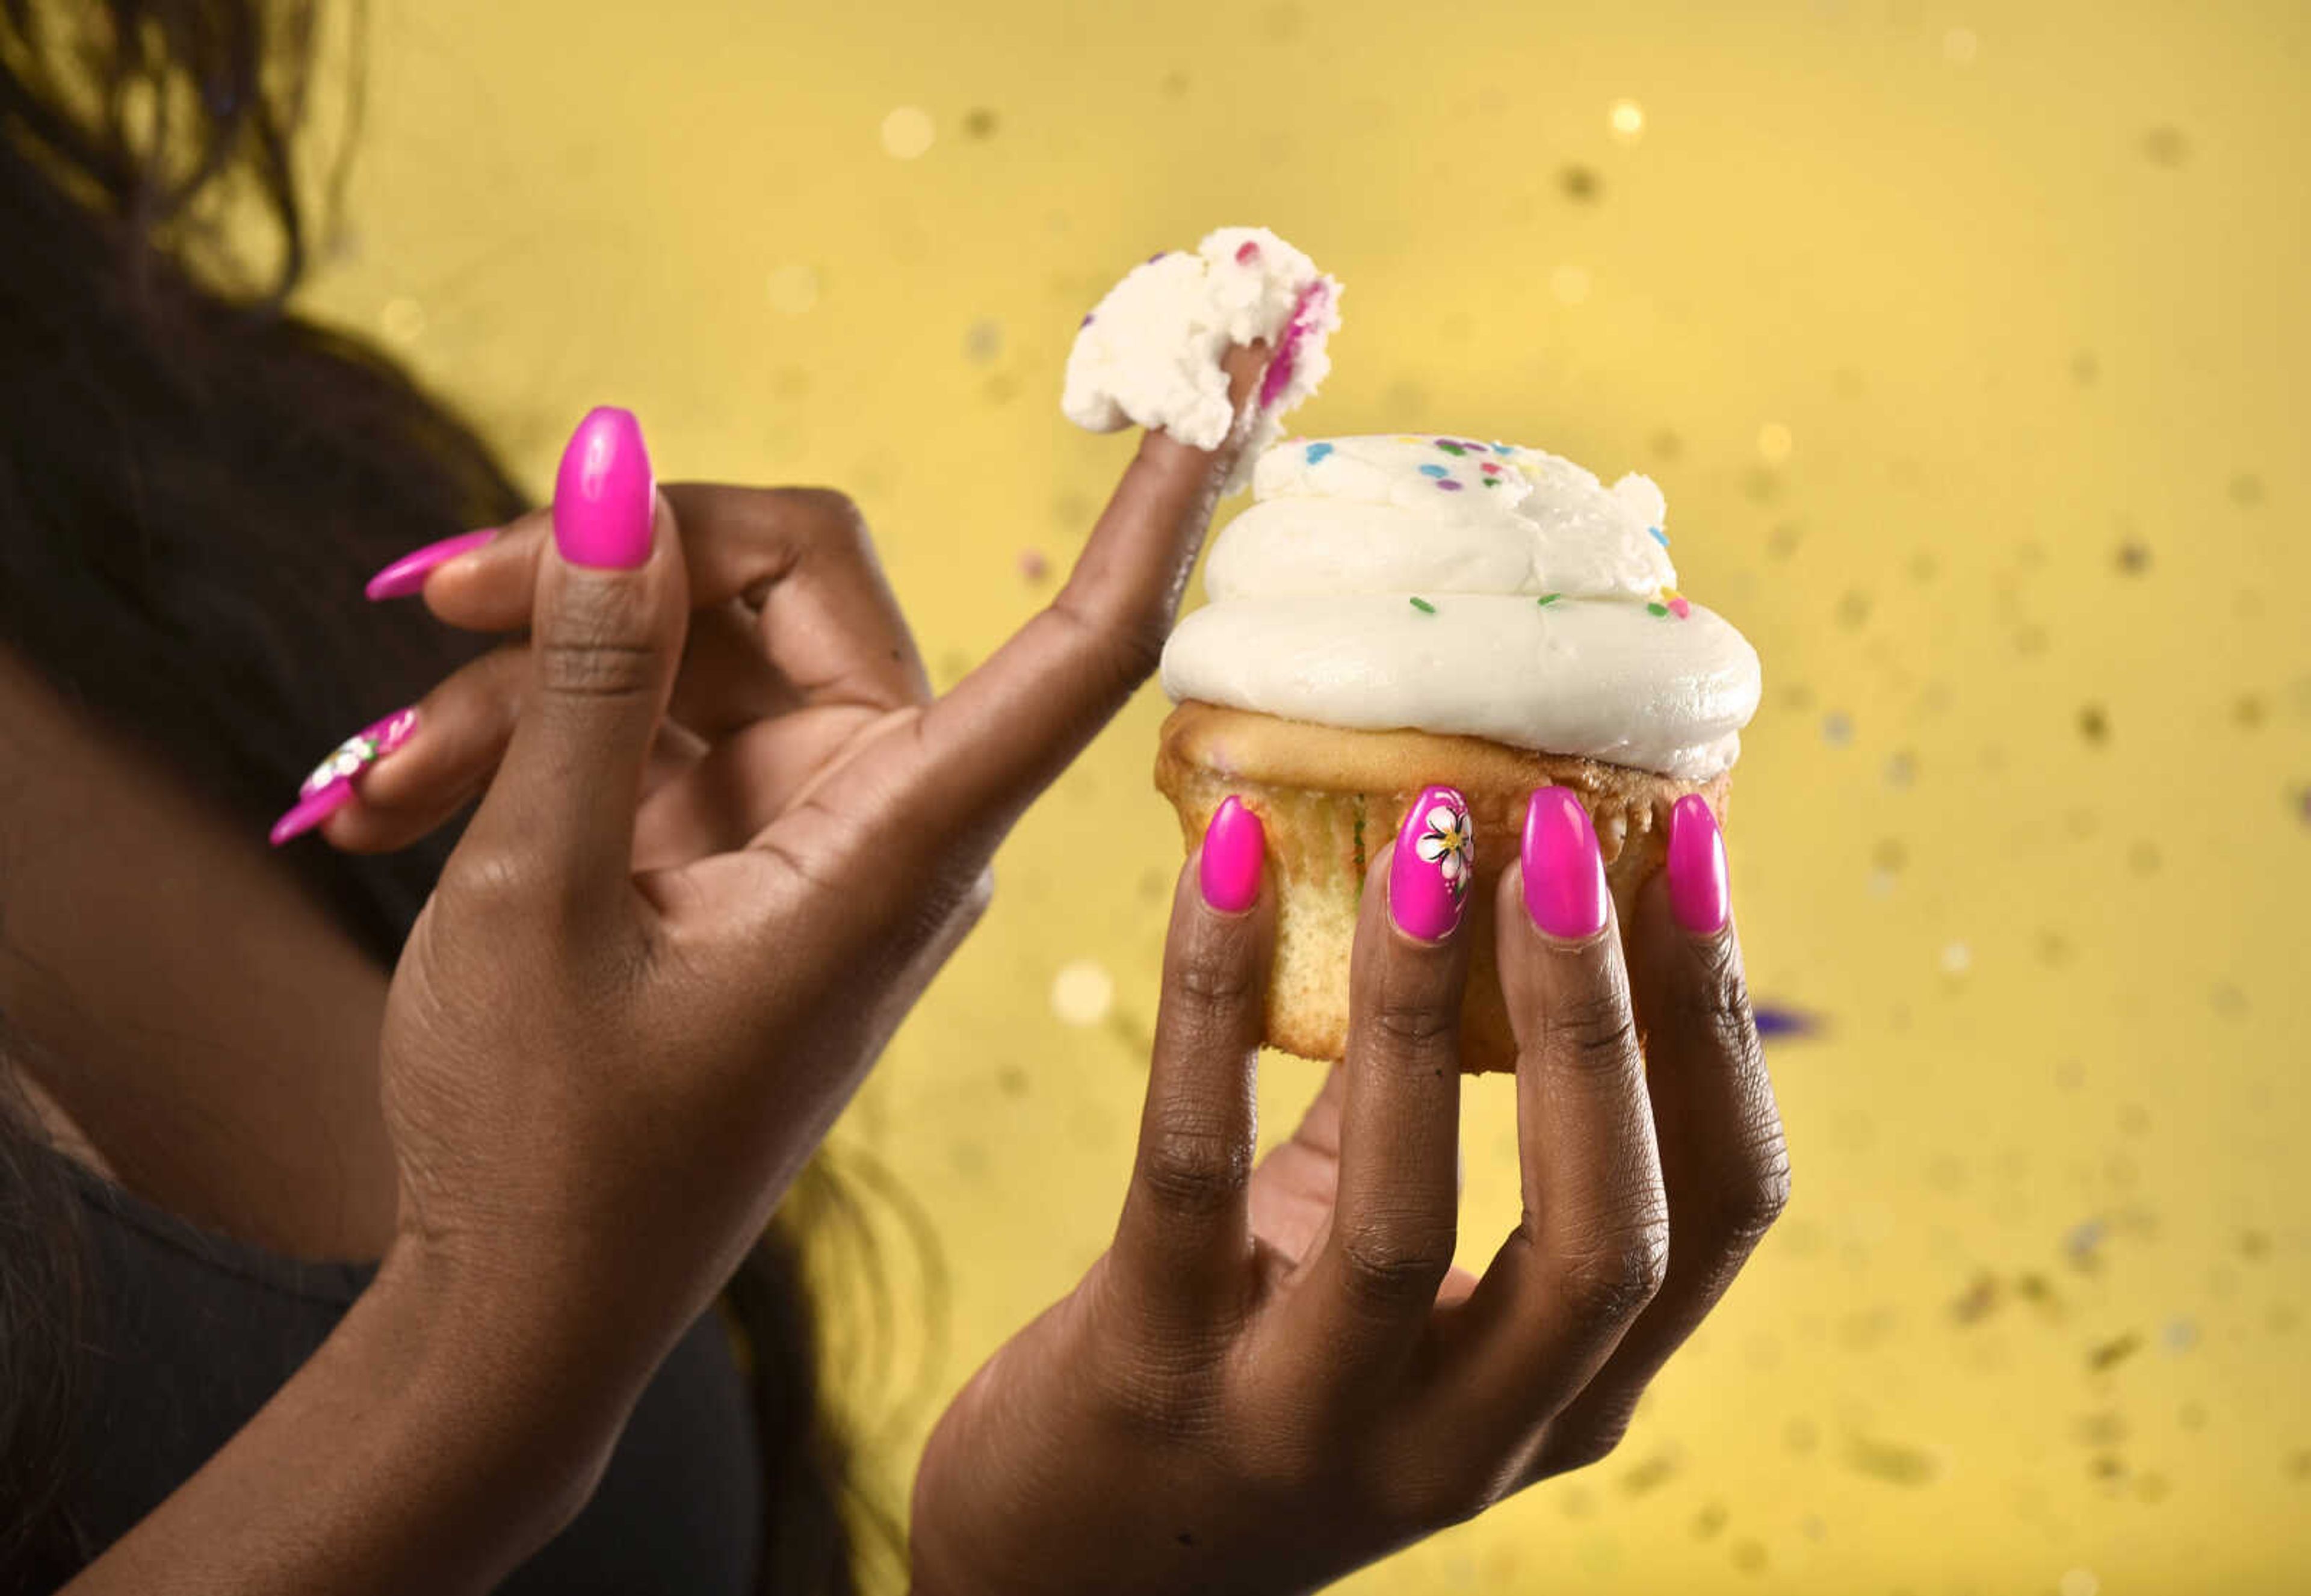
(1234,845)
(1698,890)
(1435,859)
(330,787)
(311,810)
(407,574)
(604,494)
(1564,873)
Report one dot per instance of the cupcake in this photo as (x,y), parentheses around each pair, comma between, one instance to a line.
(1393,612)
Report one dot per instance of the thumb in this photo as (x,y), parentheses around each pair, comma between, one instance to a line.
(605,638)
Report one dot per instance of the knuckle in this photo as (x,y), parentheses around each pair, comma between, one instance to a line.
(1586,1445)
(1395,1265)
(1210,982)
(1414,1025)
(1607,1285)
(1748,1210)
(836,518)
(1717,1003)
(597,659)
(1194,1171)
(492,883)
(1596,1032)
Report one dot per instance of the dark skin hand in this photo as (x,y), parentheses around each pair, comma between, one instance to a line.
(1275,1376)
(725,836)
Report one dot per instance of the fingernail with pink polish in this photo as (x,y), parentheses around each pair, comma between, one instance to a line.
(1564,873)
(1234,845)
(330,787)
(407,574)
(604,494)
(1434,861)
(1698,890)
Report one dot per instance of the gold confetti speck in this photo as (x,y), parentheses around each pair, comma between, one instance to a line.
(1627,119)
(2166,146)
(908,132)
(1775,442)
(1892,1461)
(1083,992)
(792,289)
(402,321)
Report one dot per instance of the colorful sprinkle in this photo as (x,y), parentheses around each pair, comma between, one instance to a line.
(1433,470)
(1246,253)
(1449,485)
(1680,608)
(1449,446)
(1660,537)
(1548,599)
(1490,469)
(1491,482)
(1423,606)
(1657,609)
(1084,322)
(1317,452)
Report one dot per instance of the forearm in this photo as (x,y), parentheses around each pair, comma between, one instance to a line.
(438,1437)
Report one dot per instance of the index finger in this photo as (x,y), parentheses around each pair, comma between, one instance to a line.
(1011,726)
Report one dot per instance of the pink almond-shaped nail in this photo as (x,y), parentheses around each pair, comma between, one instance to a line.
(407,575)
(605,492)
(1563,872)
(1698,890)
(1234,846)
(1434,861)
(311,810)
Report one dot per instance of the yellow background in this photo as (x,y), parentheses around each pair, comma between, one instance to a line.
(1967,341)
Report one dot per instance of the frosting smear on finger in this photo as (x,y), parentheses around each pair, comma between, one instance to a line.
(1149,354)
(1446,585)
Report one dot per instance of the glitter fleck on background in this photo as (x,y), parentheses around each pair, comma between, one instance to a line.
(1970,348)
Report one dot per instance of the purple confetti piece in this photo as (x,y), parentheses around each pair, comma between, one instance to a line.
(1776,1021)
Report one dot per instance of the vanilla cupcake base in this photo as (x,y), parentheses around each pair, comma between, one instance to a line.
(1330,799)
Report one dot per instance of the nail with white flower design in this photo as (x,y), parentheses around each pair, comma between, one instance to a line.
(1436,861)
(330,787)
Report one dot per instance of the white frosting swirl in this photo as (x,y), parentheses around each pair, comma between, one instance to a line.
(1150,351)
(1464,587)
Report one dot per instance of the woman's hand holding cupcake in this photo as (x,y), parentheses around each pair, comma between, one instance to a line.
(1275,1375)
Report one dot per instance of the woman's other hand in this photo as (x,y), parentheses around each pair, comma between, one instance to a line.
(726,836)
(1274,1377)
